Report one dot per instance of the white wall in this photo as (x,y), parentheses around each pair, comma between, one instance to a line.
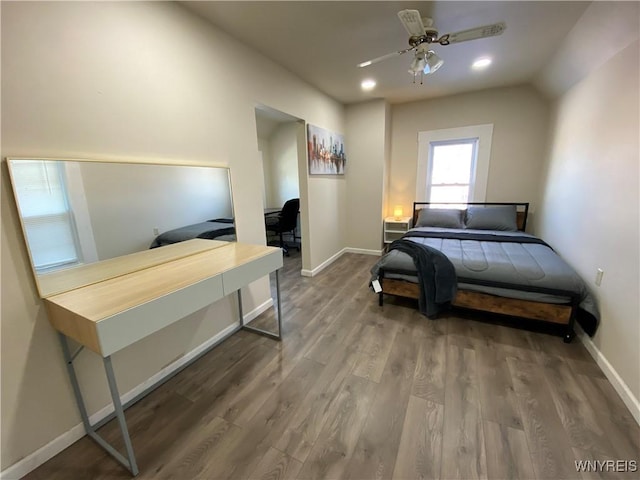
(284,164)
(520,124)
(136,81)
(589,207)
(264,145)
(366,149)
(280,163)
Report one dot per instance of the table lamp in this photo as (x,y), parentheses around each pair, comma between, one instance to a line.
(397,212)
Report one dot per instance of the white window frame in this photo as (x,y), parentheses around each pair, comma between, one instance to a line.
(472,172)
(65,216)
(480,169)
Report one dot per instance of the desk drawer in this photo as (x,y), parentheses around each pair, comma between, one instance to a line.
(251,271)
(131,325)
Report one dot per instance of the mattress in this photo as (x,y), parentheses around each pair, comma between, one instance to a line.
(508,264)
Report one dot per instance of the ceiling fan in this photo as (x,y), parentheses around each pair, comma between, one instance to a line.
(422,34)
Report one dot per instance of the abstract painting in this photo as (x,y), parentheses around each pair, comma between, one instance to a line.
(326,151)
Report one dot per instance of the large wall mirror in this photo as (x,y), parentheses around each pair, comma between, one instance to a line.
(77,212)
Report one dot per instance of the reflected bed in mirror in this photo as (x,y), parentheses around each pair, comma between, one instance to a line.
(75,213)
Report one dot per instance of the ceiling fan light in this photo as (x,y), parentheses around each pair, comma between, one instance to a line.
(418,63)
(433,62)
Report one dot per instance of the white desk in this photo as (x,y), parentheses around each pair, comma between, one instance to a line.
(144,293)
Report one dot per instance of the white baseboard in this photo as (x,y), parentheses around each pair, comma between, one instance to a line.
(619,385)
(258,310)
(55,446)
(363,251)
(333,258)
(40,456)
(323,265)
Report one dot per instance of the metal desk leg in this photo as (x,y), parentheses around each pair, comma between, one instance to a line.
(115,396)
(260,331)
(278,304)
(68,360)
(129,463)
(240,312)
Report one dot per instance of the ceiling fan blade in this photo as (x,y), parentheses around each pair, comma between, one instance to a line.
(473,33)
(412,22)
(384,57)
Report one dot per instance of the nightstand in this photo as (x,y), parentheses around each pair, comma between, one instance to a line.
(394,228)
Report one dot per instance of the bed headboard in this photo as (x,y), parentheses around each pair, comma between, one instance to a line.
(522,209)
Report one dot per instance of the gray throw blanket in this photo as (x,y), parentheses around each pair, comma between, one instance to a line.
(436,275)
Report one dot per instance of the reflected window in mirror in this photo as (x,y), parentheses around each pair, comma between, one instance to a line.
(43,202)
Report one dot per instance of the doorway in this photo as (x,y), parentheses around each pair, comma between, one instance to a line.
(280,137)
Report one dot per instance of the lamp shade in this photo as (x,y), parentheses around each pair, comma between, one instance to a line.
(433,62)
(418,64)
(397,211)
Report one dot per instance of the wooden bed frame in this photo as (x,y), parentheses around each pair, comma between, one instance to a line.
(562,314)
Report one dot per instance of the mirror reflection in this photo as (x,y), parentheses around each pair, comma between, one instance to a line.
(79,212)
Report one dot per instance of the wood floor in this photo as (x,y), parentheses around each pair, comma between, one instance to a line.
(363,392)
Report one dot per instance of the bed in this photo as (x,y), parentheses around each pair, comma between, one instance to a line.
(218,229)
(479,258)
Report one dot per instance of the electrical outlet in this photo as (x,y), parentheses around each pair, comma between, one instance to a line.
(599,274)
(156,231)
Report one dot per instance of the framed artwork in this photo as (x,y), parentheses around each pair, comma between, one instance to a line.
(325,151)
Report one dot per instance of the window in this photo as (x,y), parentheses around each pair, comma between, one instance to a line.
(453,164)
(44,208)
(451,170)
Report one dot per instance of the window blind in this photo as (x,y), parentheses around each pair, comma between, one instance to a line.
(44,208)
(451,171)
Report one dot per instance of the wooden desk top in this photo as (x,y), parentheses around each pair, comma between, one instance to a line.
(104,299)
(109,315)
(64,280)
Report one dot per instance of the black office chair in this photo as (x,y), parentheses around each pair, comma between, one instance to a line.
(285,222)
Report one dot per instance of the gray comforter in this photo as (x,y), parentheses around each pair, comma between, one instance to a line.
(207,230)
(509,264)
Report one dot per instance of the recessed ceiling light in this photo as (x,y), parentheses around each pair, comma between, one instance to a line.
(481,63)
(368,84)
